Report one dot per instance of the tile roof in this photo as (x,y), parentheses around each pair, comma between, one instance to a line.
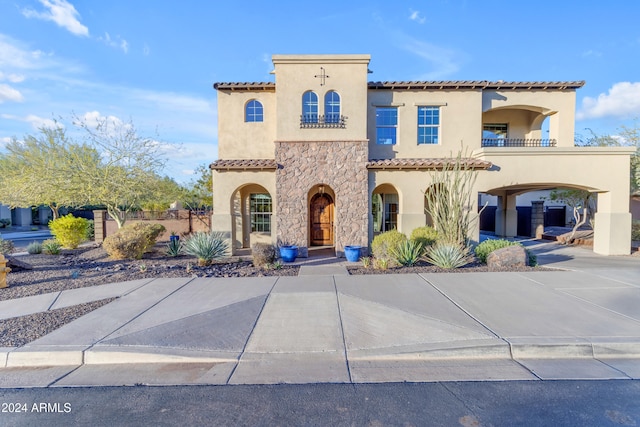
(476,84)
(423,85)
(435,163)
(248,86)
(244,164)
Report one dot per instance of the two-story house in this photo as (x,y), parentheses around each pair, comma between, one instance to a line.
(323,157)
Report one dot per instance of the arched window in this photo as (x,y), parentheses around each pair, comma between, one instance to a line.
(253,111)
(309,107)
(332,107)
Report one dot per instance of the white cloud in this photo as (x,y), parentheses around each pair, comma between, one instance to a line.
(62,13)
(35,121)
(118,43)
(443,61)
(13,78)
(622,100)
(7,93)
(146,50)
(4,141)
(417,17)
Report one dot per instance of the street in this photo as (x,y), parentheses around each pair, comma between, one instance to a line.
(513,403)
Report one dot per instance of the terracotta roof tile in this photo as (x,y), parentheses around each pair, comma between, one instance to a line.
(244,164)
(248,86)
(434,164)
(476,84)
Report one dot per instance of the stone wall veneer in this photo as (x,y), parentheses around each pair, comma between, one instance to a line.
(340,165)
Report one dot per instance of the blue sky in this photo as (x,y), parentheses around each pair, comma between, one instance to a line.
(155,61)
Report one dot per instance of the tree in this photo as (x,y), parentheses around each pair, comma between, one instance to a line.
(126,175)
(450,200)
(199,192)
(39,171)
(580,201)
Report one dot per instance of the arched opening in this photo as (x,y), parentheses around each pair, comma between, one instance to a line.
(252,211)
(385,208)
(321,200)
(321,216)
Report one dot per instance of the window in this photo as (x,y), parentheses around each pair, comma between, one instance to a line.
(260,212)
(386,125)
(309,107)
(332,107)
(385,212)
(428,125)
(253,111)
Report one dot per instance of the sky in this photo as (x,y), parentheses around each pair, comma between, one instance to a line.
(154,62)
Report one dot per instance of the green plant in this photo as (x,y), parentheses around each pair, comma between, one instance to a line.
(426,235)
(450,199)
(6,246)
(263,254)
(69,230)
(174,248)
(34,248)
(483,250)
(635,230)
(366,261)
(51,247)
(408,252)
(448,255)
(206,246)
(385,243)
(380,263)
(91,230)
(132,240)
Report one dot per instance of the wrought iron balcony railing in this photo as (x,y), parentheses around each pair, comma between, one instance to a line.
(329,121)
(517,142)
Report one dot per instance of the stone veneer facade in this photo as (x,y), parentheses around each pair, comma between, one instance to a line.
(339,165)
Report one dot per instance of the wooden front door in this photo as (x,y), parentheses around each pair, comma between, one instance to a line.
(321,211)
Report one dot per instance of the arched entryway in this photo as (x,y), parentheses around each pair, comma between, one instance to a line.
(321,218)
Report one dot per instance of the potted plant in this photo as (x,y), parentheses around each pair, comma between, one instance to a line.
(174,236)
(288,253)
(352,253)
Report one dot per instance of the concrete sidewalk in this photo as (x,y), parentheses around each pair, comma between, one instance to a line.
(338,328)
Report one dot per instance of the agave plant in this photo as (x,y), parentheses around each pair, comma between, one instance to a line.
(408,252)
(448,255)
(206,247)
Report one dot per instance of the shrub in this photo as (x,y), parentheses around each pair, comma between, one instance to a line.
(34,248)
(132,240)
(483,250)
(635,230)
(206,246)
(174,248)
(6,246)
(69,230)
(425,235)
(385,243)
(4,222)
(448,255)
(51,247)
(408,252)
(264,254)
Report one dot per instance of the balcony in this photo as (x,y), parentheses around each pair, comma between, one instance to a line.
(329,121)
(517,142)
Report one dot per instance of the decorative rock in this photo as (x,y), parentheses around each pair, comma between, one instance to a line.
(510,257)
(16,264)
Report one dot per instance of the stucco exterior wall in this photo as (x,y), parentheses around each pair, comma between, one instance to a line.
(238,139)
(460,122)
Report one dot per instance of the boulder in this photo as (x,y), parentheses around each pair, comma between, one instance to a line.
(510,257)
(16,264)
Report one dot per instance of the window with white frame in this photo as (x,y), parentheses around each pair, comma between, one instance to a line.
(428,125)
(386,125)
(309,107)
(332,107)
(260,209)
(254,111)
